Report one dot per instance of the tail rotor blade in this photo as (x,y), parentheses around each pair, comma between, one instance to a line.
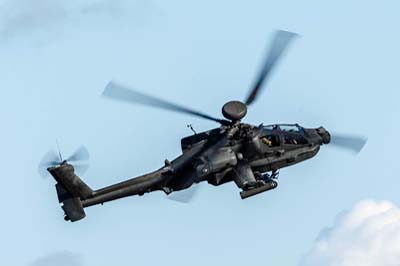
(351,143)
(81,154)
(49,159)
(80,160)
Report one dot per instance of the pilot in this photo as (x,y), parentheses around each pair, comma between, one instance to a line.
(266,141)
(291,140)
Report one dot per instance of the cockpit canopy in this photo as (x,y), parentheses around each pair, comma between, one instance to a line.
(283,134)
(283,127)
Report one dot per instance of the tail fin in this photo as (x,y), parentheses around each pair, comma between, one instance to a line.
(70,191)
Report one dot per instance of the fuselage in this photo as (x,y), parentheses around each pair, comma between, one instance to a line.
(263,148)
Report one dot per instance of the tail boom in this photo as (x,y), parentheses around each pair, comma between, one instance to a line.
(75,195)
(135,186)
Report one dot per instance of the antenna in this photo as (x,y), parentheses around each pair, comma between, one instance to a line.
(192,129)
(59,150)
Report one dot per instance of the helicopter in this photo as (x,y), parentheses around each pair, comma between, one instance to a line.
(248,155)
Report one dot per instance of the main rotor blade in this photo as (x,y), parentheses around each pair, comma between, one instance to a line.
(121,93)
(184,196)
(80,154)
(279,44)
(352,143)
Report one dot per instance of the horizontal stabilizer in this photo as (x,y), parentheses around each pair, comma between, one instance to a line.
(73,209)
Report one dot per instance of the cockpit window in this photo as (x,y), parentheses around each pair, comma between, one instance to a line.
(269,127)
(291,134)
(282,127)
(267,130)
(289,128)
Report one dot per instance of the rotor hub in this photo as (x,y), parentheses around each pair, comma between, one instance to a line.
(234,110)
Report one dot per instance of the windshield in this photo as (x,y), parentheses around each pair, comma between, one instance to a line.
(291,134)
(282,127)
(267,130)
(289,128)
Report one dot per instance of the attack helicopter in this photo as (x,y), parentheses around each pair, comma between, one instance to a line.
(249,155)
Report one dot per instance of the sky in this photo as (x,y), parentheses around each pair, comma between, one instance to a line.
(336,209)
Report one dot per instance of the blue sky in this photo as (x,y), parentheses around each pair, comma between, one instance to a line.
(57,57)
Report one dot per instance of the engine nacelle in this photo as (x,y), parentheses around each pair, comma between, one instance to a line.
(218,161)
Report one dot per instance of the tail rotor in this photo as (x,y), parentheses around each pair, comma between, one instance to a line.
(79,159)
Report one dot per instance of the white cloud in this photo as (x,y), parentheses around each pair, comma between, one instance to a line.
(368,235)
